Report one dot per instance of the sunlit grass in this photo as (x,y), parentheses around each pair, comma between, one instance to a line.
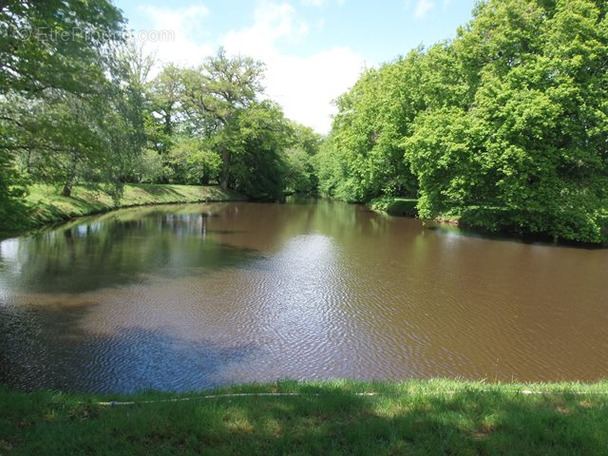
(50,206)
(436,417)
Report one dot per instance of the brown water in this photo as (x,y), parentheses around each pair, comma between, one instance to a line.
(190,297)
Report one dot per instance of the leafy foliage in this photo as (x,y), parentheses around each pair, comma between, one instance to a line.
(55,44)
(52,59)
(77,107)
(217,129)
(190,162)
(504,127)
(301,173)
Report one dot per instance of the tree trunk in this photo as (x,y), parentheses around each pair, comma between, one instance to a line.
(224,183)
(67,190)
(225,170)
(67,187)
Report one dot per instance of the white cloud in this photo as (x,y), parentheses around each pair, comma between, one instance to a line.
(320,3)
(187,30)
(423,7)
(271,22)
(313,2)
(304,86)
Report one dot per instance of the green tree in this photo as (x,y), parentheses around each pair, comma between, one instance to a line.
(48,49)
(215,111)
(97,137)
(330,168)
(166,95)
(55,44)
(504,127)
(373,117)
(261,137)
(300,157)
(130,125)
(215,95)
(192,162)
(528,155)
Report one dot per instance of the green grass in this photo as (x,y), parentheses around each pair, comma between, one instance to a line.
(434,417)
(50,207)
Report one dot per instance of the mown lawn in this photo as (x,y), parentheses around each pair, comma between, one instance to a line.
(340,417)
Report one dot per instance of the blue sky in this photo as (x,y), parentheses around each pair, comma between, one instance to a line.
(314,50)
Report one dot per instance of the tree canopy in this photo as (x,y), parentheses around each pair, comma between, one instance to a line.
(78,106)
(52,57)
(505,127)
(219,127)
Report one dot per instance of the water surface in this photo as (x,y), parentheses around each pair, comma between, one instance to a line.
(190,297)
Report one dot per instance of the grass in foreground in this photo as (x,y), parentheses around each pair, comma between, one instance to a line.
(436,417)
(50,207)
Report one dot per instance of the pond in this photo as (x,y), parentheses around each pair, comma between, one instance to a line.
(181,298)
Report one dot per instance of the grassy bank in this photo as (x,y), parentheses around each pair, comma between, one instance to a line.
(50,207)
(436,417)
(395,206)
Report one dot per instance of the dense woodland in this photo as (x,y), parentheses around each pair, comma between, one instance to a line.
(78,107)
(504,128)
